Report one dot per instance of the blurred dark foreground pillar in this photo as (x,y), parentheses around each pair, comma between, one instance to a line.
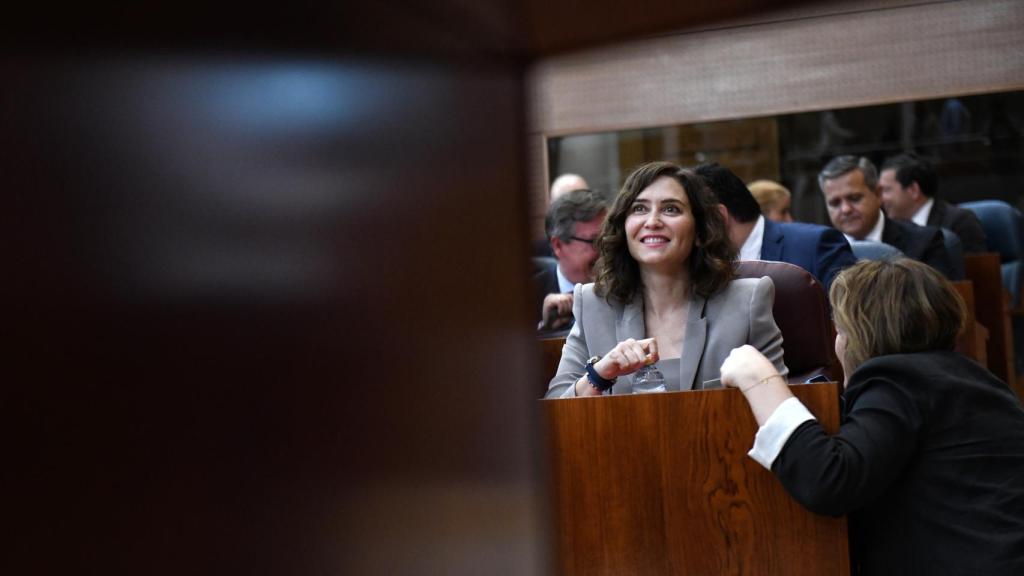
(268,316)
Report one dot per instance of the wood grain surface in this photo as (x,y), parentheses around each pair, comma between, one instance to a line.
(661,484)
(991,309)
(972,340)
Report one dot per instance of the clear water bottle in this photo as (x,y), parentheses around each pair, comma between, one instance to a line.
(648,379)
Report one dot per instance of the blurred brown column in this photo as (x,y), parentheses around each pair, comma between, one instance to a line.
(269,309)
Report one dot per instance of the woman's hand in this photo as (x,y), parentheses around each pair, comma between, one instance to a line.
(627,357)
(755,376)
(746,367)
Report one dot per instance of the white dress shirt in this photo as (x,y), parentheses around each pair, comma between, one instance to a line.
(777,429)
(751,249)
(921,216)
(876,233)
(564,285)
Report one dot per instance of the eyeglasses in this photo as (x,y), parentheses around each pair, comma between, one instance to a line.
(584,240)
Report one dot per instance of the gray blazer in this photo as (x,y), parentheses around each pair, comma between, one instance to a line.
(740,314)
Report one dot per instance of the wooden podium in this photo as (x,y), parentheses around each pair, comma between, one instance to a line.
(661,484)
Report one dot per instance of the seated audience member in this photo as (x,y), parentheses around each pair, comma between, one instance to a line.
(820,250)
(561,186)
(908,186)
(664,293)
(572,224)
(566,183)
(929,458)
(773,198)
(850,186)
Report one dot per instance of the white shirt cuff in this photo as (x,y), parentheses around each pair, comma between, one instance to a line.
(772,436)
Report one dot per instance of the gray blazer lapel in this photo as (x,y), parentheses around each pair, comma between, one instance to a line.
(631,323)
(693,343)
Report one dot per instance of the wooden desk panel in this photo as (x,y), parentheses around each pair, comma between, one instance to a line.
(973,340)
(551,354)
(992,310)
(661,484)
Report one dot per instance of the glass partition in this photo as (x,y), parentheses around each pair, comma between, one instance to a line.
(974,140)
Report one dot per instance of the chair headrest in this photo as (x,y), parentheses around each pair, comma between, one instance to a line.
(801,312)
(868,250)
(955,249)
(1002,224)
(542,263)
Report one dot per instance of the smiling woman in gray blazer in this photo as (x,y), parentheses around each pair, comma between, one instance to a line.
(665,293)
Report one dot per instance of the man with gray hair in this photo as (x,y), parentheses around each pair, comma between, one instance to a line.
(560,187)
(572,225)
(854,202)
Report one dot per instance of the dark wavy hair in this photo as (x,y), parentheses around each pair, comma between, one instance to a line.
(712,260)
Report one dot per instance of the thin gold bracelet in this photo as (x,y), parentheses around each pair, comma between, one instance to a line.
(762,381)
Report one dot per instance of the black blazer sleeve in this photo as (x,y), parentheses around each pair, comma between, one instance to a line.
(834,474)
(834,254)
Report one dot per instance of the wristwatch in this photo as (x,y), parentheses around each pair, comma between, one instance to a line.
(602,384)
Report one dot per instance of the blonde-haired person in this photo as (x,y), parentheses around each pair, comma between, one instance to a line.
(774,199)
(929,458)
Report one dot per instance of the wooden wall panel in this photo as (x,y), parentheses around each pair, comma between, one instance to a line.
(807,58)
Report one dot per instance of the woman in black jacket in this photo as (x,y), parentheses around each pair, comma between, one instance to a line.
(929,458)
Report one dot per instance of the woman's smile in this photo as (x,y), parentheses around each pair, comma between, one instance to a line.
(654,241)
(660,228)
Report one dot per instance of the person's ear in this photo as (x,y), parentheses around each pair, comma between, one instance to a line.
(725,215)
(915,190)
(556,246)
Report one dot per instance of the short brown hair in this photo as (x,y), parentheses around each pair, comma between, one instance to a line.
(711,262)
(894,307)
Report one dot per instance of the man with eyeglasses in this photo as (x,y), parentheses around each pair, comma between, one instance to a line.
(560,187)
(572,225)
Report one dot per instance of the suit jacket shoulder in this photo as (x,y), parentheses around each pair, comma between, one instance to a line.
(545,281)
(821,250)
(924,243)
(962,221)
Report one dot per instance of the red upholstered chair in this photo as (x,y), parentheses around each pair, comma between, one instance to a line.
(802,313)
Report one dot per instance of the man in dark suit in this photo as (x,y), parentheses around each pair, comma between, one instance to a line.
(572,224)
(908,186)
(854,203)
(561,186)
(820,250)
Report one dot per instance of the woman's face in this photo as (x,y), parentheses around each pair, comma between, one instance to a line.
(660,227)
(841,350)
